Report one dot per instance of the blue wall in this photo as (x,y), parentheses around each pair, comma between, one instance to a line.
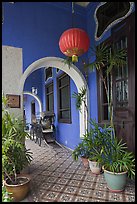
(36,27)
(27,104)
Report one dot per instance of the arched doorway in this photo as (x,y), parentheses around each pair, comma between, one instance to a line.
(36,97)
(72,71)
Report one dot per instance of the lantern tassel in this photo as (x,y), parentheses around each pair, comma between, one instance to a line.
(74,58)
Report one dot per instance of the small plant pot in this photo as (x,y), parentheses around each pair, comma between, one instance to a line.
(95,167)
(19,191)
(116,182)
(85,162)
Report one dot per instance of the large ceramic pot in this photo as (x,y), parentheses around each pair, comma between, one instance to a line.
(116,182)
(19,191)
(95,167)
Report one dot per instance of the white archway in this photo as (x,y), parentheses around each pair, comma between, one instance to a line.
(37,98)
(72,71)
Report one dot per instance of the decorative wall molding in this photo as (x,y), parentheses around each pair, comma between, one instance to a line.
(103,14)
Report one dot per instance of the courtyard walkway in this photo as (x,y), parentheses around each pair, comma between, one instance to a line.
(56,177)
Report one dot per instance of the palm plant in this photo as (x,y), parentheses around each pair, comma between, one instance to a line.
(108,59)
(113,155)
(117,159)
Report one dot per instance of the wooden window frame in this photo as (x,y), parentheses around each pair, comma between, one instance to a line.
(62,120)
(47,94)
(50,74)
(111,41)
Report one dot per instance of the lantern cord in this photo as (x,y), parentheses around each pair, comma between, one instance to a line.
(72,14)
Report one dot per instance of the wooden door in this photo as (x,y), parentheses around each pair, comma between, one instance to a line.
(123,35)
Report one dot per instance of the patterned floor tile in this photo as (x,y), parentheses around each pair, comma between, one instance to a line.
(65,198)
(101,186)
(51,179)
(62,181)
(78,176)
(99,194)
(57,187)
(88,184)
(50,195)
(67,175)
(130,198)
(130,190)
(85,192)
(56,177)
(90,178)
(74,183)
(46,186)
(56,174)
(97,200)
(80,199)
(70,170)
(115,197)
(70,189)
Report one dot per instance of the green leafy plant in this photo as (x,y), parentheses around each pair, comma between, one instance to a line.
(5,195)
(107,60)
(80,97)
(113,155)
(116,158)
(15,156)
(68,61)
(81,150)
(93,141)
(96,138)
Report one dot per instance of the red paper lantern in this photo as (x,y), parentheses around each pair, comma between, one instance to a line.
(74,42)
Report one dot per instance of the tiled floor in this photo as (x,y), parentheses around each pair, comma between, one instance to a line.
(56,177)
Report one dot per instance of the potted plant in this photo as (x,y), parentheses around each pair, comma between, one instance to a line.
(118,164)
(114,155)
(95,139)
(81,151)
(15,156)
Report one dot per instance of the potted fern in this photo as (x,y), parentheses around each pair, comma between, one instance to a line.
(15,156)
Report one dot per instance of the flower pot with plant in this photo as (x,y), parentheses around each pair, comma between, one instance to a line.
(15,156)
(114,155)
(118,164)
(81,151)
(95,138)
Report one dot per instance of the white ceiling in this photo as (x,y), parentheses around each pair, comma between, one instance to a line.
(84,4)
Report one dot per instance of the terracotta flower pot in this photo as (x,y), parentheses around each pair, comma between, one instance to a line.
(85,162)
(19,191)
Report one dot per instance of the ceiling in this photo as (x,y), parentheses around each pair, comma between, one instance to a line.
(84,4)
